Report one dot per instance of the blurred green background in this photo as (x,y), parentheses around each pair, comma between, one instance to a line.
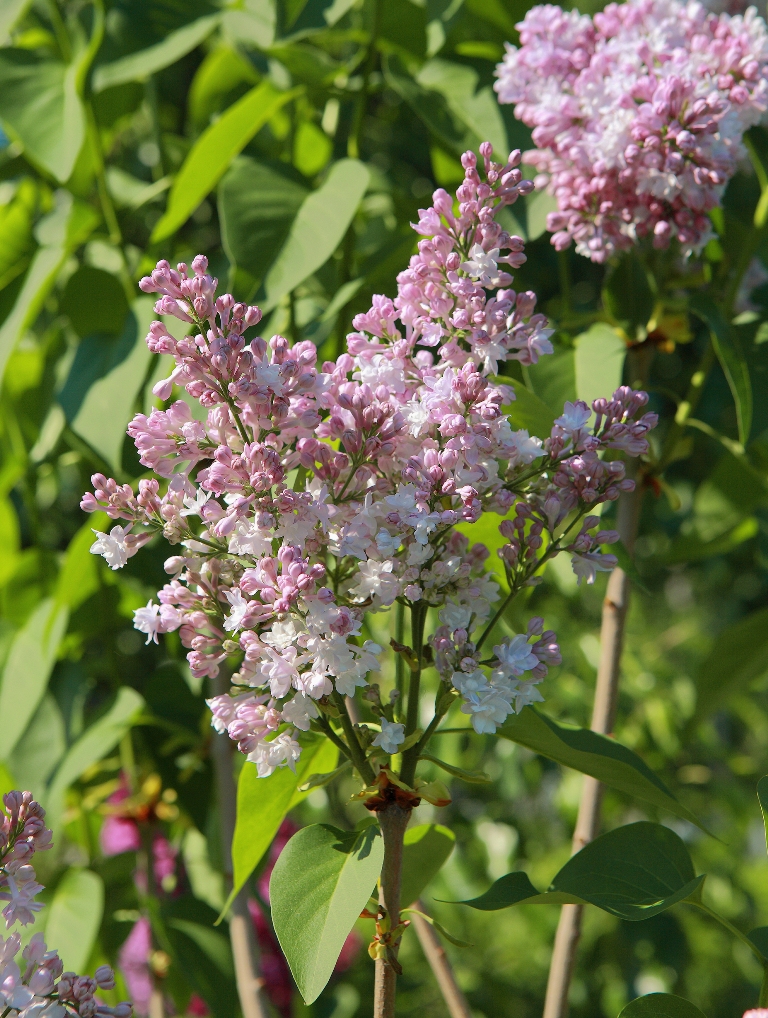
(264,103)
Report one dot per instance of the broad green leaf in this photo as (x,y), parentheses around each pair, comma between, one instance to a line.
(94,301)
(140,66)
(257,204)
(597,755)
(634,873)
(537,207)
(109,403)
(41,747)
(627,293)
(74,917)
(262,804)
(661,1005)
(429,106)
(222,71)
(16,241)
(528,411)
(214,150)
(477,110)
(553,379)
(759,938)
(10,539)
(731,357)
(40,108)
(11,11)
(94,744)
(599,362)
(738,657)
(201,955)
(212,944)
(79,576)
(253,23)
(427,848)
(318,229)
(319,886)
(692,548)
(58,234)
(27,670)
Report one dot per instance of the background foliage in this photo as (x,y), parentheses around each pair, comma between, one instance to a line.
(293,141)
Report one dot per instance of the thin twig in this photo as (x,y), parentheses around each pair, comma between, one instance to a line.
(441,967)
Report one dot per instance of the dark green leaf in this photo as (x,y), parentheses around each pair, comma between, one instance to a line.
(41,747)
(634,873)
(427,848)
(16,242)
(140,66)
(213,152)
(762,797)
(759,938)
(597,755)
(79,577)
(431,107)
(257,204)
(40,108)
(319,886)
(94,301)
(661,1005)
(627,293)
(473,777)
(477,110)
(599,362)
(528,411)
(731,357)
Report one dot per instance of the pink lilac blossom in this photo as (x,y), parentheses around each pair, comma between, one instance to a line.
(637,115)
(312,494)
(39,986)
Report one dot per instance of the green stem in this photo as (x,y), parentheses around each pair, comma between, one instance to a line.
(731,929)
(62,38)
(411,756)
(339,743)
(356,751)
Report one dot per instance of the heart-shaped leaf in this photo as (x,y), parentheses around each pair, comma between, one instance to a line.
(661,1005)
(319,886)
(634,873)
(427,847)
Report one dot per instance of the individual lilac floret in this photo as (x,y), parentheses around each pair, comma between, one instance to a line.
(637,115)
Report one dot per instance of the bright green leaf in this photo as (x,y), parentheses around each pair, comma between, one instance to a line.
(661,1005)
(427,848)
(11,11)
(634,873)
(222,71)
(318,228)
(731,357)
(599,362)
(140,66)
(40,108)
(593,754)
(262,804)
(553,379)
(319,886)
(27,670)
(74,917)
(528,411)
(537,207)
(214,150)
(16,241)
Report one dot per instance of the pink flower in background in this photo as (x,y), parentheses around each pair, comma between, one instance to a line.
(637,115)
(133,961)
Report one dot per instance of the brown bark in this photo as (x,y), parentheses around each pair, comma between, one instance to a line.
(441,967)
(393,821)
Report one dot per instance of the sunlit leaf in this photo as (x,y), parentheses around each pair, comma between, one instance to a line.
(319,886)
(74,917)
(477,110)
(214,151)
(139,66)
(16,241)
(528,411)
(599,362)
(426,850)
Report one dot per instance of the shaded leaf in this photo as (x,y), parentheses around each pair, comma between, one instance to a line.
(477,110)
(553,379)
(426,850)
(40,108)
(529,411)
(762,797)
(634,873)
(440,929)
(139,66)
(627,293)
(429,106)
(599,362)
(79,577)
(42,746)
(16,241)
(94,301)
(759,938)
(661,1005)
(27,670)
(731,357)
(597,755)
(320,884)
(473,777)
(74,917)
(213,152)
(318,228)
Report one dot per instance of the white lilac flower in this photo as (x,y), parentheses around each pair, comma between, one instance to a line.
(299,711)
(281,751)
(112,546)
(239,609)
(589,564)
(390,737)
(147,620)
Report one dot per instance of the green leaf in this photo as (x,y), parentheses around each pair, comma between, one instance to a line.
(692,548)
(257,204)
(319,780)
(553,379)
(27,670)
(738,656)
(108,405)
(140,66)
(255,23)
(214,150)
(427,848)
(759,938)
(94,744)
(440,929)
(79,576)
(211,943)
(262,804)
(599,362)
(41,747)
(74,917)
(477,110)
(597,755)
(429,106)
(11,11)
(473,777)
(661,1005)
(634,873)
(731,357)
(627,293)
(58,234)
(537,207)
(16,241)
(319,886)
(318,229)
(94,301)
(40,108)
(528,411)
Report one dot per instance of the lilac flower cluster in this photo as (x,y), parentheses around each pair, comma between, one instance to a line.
(637,115)
(39,988)
(310,495)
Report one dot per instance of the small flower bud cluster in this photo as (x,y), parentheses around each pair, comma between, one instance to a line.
(638,115)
